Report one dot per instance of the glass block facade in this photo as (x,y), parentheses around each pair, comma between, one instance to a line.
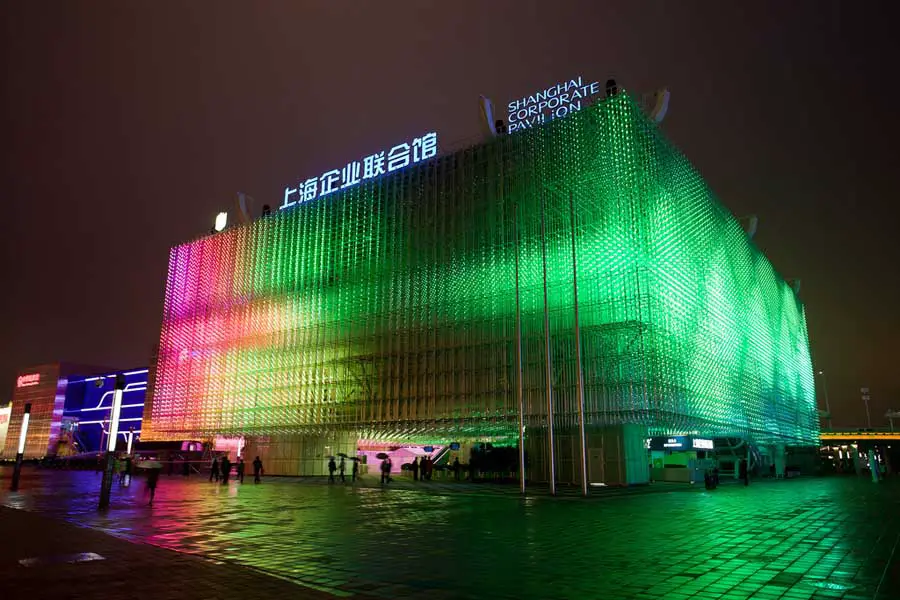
(388,310)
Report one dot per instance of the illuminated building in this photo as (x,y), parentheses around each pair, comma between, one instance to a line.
(387,311)
(70,407)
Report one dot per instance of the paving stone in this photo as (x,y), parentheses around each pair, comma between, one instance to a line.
(771,540)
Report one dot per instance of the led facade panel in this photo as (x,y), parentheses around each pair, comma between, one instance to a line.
(388,309)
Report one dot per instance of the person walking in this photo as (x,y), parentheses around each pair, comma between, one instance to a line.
(355,470)
(257,469)
(240,469)
(152,480)
(456,468)
(415,468)
(332,467)
(341,468)
(214,470)
(744,472)
(226,469)
(385,471)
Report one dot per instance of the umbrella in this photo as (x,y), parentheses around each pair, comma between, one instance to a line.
(381,455)
(150,464)
(342,455)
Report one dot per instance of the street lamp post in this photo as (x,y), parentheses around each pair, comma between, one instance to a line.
(866,397)
(825,393)
(106,483)
(20,451)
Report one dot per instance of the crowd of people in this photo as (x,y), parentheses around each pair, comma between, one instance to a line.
(221,469)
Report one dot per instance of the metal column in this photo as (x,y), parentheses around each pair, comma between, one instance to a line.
(520,384)
(580,382)
(547,362)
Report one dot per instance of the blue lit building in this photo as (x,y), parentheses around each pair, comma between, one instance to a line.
(85,418)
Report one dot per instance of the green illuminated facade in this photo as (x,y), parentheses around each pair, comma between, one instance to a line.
(388,310)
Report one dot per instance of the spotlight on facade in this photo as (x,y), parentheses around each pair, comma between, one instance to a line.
(221,221)
(612,88)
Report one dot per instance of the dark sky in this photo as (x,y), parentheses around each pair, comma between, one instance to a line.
(127,125)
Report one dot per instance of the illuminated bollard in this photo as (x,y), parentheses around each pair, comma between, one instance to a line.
(20,453)
(106,483)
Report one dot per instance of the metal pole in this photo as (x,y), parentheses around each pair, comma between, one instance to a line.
(580,382)
(825,391)
(868,416)
(20,451)
(106,482)
(547,362)
(520,384)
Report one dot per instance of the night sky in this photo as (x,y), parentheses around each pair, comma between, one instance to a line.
(126,126)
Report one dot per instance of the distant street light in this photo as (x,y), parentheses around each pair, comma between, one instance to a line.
(866,398)
(891,415)
(825,393)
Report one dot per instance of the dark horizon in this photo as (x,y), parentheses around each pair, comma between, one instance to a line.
(131,127)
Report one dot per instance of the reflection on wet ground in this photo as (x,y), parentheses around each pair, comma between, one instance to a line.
(807,538)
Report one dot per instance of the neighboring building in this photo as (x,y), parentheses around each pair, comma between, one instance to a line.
(88,405)
(70,409)
(387,311)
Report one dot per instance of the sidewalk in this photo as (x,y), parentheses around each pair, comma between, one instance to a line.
(127,570)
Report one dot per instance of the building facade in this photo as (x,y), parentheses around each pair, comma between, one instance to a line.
(417,305)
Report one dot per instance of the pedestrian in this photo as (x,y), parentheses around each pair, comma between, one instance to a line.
(385,471)
(240,468)
(341,468)
(355,469)
(257,469)
(226,469)
(152,479)
(428,465)
(185,467)
(743,472)
(415,468)
(456,468)
(332,467)
(214,469)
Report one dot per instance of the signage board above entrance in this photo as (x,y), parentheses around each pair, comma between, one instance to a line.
(679,442)
(398,157)
(558,100)
(28,380)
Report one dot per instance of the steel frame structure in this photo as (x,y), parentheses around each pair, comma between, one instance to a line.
(390,309)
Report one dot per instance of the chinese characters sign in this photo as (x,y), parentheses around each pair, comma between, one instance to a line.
(558,100)
(28,380)
(398,157)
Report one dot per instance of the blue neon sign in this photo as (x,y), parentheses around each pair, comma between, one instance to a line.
(398,157)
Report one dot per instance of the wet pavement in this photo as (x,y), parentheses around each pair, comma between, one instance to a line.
(806,538)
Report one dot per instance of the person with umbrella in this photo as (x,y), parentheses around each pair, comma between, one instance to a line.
(385,467)
(341,468)
(153,468)
(355,469)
